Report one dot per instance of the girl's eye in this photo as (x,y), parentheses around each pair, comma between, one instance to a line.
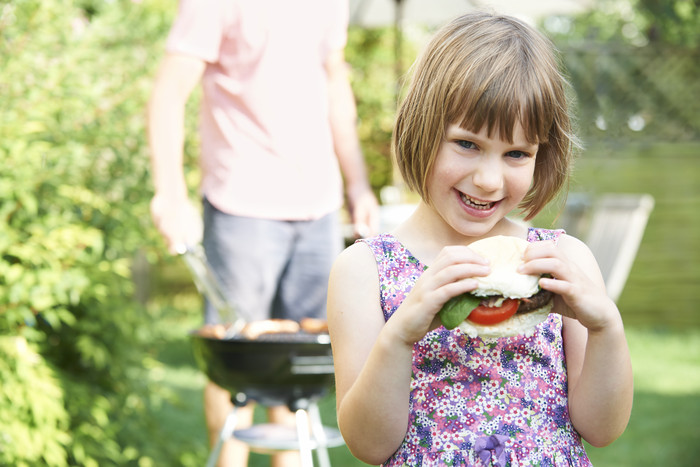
(518,154)
(466,144)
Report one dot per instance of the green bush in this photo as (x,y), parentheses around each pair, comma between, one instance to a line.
(32,412)
(369,52)
(74,192)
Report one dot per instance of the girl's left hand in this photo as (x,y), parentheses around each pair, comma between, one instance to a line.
(576,280)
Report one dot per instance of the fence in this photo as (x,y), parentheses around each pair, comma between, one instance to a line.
(629,92)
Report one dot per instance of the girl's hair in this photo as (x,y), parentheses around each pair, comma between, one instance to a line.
(484,69)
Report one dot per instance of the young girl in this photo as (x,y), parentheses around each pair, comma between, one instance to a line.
(482,131)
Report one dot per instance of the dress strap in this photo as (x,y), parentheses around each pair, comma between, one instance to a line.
(540,235)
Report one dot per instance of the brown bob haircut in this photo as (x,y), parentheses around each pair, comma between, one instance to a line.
(484,69)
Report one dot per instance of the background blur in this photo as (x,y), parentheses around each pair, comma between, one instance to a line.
(95,362)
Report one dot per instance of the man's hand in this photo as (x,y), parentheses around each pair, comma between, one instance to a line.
(178,221)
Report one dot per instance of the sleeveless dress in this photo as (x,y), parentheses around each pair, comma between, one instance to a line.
(480,402)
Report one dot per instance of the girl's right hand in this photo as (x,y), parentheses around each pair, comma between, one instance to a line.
(451,274)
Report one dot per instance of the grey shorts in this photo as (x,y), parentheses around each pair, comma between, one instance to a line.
(270,268)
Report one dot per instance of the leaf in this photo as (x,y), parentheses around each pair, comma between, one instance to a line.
(457,309)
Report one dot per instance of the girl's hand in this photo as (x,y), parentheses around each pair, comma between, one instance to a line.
(451,274)
(576,280)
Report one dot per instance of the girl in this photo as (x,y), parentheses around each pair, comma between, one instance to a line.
(483,130)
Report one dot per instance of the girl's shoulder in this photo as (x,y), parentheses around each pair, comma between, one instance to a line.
(367,253)
(353,267)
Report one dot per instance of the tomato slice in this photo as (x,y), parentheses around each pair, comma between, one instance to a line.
(488,315)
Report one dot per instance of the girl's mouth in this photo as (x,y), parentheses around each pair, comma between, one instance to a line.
(476,203)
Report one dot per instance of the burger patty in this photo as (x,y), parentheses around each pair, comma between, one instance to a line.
(538,300)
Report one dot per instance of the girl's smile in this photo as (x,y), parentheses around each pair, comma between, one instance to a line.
(476,207)
(479,178)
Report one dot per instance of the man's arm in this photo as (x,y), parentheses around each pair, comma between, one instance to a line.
(173,214)
(343,120)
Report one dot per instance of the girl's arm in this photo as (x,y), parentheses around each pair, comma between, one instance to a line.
(373,359)
(372,364)
(597,356)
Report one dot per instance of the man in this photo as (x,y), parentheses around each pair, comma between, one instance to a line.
(277,129)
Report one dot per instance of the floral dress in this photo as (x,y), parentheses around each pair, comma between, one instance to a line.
(481,402)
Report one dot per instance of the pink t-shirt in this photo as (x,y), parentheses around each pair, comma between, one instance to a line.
(267,148)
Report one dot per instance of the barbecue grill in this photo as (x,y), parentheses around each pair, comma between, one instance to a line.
(292,369)
(275,369)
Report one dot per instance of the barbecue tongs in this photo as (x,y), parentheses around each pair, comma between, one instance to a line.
(208,285)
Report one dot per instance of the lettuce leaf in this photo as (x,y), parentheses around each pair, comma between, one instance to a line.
(457,309)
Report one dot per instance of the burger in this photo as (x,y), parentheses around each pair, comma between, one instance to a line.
(506,303)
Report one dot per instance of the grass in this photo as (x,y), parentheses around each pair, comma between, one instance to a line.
(664,428)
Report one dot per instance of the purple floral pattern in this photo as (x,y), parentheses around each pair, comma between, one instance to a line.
(481,402)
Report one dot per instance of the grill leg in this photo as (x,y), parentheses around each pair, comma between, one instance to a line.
(304,440)
(225,434)
(320,436)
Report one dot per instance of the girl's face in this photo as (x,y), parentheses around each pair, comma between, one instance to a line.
(477,179)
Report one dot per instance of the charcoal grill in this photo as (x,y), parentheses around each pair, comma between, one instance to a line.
(274,369)
(292,369)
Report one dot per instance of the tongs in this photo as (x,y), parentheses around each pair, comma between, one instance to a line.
(208,285)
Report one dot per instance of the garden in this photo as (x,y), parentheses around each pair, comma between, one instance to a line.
(96,367)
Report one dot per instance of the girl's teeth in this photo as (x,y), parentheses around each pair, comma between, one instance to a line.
(474,203)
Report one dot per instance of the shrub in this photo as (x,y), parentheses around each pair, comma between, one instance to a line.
(74,204)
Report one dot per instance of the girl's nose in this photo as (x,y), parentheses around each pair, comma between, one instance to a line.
(489,174)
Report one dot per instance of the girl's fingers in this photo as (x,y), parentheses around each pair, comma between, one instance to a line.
(552,266)
(537,250)
(459,254)
(557,286)
(455,264)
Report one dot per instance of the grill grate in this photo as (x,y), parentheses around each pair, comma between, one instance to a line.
(287,338)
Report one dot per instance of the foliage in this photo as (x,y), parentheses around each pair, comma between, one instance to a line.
(33,416)
(74,204)
(634,22)
(369,52)
(634,64)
